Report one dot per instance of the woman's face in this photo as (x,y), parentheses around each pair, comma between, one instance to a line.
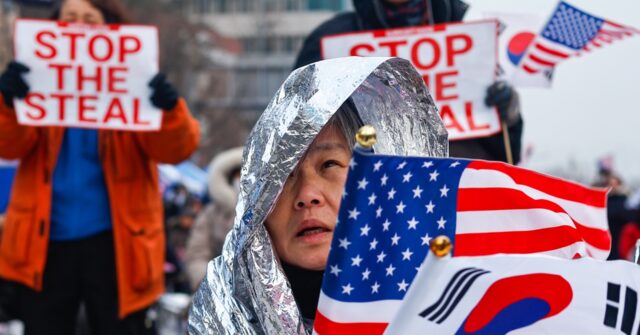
(302,222)
(80,11)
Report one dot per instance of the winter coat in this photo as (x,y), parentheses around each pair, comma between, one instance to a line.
(245,290)
(131,176)
(368,16)
(212,225)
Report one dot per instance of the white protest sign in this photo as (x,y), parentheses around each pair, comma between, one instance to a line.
(520,294)
(87,76)
(457,61)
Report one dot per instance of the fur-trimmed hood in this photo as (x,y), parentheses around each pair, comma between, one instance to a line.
(220,170)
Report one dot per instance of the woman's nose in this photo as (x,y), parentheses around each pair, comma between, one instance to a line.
(309,195)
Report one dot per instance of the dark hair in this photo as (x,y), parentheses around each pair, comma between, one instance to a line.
(347,121)
(112,10)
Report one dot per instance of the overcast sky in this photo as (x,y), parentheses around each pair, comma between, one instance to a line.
(593,107)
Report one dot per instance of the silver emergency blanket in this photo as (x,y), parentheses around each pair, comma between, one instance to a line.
(245,290)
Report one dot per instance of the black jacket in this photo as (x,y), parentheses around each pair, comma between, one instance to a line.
(368,16)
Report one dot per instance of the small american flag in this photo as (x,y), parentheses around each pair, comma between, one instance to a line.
(569,32)
(393,206)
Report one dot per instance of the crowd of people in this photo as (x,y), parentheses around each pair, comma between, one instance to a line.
(88,239)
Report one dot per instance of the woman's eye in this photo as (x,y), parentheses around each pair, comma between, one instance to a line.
(329,163)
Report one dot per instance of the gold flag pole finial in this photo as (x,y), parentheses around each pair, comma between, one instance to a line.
(366,136)
(441,246)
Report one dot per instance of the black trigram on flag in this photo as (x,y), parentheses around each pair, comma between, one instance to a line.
(453,293)
(629,308)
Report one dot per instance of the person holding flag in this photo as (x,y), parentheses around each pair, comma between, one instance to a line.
(389,14)
(296,159)
(84,224)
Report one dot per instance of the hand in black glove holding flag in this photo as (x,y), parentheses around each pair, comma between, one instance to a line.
(501,95)
(505,98)
(12,84)
(165,96)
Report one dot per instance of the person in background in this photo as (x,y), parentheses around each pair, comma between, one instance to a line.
(212,225)
(84,223)
(386,14)
(617,214)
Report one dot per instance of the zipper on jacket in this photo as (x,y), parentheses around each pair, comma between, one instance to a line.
(36,279)
(42,224)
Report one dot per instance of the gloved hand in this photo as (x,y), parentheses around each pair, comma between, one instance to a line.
(12,85)
(165,96)
(500,94)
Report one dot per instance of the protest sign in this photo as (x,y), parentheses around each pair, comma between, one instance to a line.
(87,76)
(457,61)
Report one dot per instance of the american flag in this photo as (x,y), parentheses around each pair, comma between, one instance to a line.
(393,206)
(570,32)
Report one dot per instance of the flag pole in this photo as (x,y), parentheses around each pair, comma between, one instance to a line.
(507,142)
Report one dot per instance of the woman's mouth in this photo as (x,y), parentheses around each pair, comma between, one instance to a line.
(313,231)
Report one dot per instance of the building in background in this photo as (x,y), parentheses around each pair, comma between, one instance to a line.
(7,16)
(270,32)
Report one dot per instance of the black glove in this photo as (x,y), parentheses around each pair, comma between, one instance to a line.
(12,85)
(164,96)
(499,94)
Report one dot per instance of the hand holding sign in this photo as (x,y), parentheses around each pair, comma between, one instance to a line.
(88,76)
(164,95)
(12,84)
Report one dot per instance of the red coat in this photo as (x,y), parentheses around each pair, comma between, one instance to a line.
(129,163)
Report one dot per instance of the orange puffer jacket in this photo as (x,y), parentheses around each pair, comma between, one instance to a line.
(129,164)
